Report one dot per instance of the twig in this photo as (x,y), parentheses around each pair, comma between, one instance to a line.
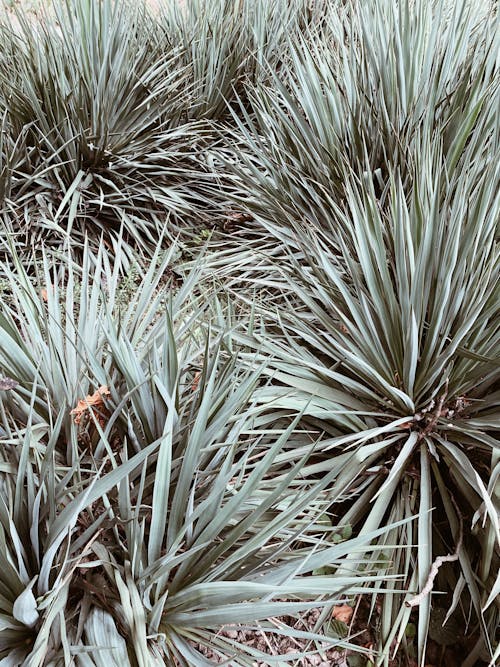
(415,601)
(266,639)
(436,414)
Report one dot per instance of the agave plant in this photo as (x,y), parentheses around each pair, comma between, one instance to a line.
(392,342)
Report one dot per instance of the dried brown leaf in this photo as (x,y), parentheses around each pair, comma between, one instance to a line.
(342,613)
(93,403)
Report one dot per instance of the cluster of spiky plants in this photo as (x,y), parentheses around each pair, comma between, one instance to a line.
(394,341)
(376,162)
(106,106)
(369,91)
(140,507)
(304,412)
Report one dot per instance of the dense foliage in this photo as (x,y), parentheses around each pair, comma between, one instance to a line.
(249,330)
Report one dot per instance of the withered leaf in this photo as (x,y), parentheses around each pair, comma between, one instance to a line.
(342,613)
(90,403)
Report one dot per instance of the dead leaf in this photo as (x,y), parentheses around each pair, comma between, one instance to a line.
(342,613)
(235,218)
(7,383)
(196,381)
(92,403)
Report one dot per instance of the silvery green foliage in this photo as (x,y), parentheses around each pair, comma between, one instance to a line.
(309,407)
(158,516)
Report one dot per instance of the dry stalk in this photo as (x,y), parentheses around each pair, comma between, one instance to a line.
(415,601)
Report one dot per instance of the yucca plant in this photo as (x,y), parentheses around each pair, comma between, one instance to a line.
(95,107)
(94,572)
(374,165)
(366,89)
(182,453)
(222,541)
(36,568)
(52,319)
(227,46)
(141,504)
(391,344)
(105,109)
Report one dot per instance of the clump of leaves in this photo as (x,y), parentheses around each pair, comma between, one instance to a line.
(367,89)
(138,543)
(392,344)
(108,110)
(229,45)
(97,133)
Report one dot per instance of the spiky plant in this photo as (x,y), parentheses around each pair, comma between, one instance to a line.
(179,454)
(367,89)
(392,342)
(105,109)
(141,508)
(52,324)
(227,46)
(375,166)
(95,109)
